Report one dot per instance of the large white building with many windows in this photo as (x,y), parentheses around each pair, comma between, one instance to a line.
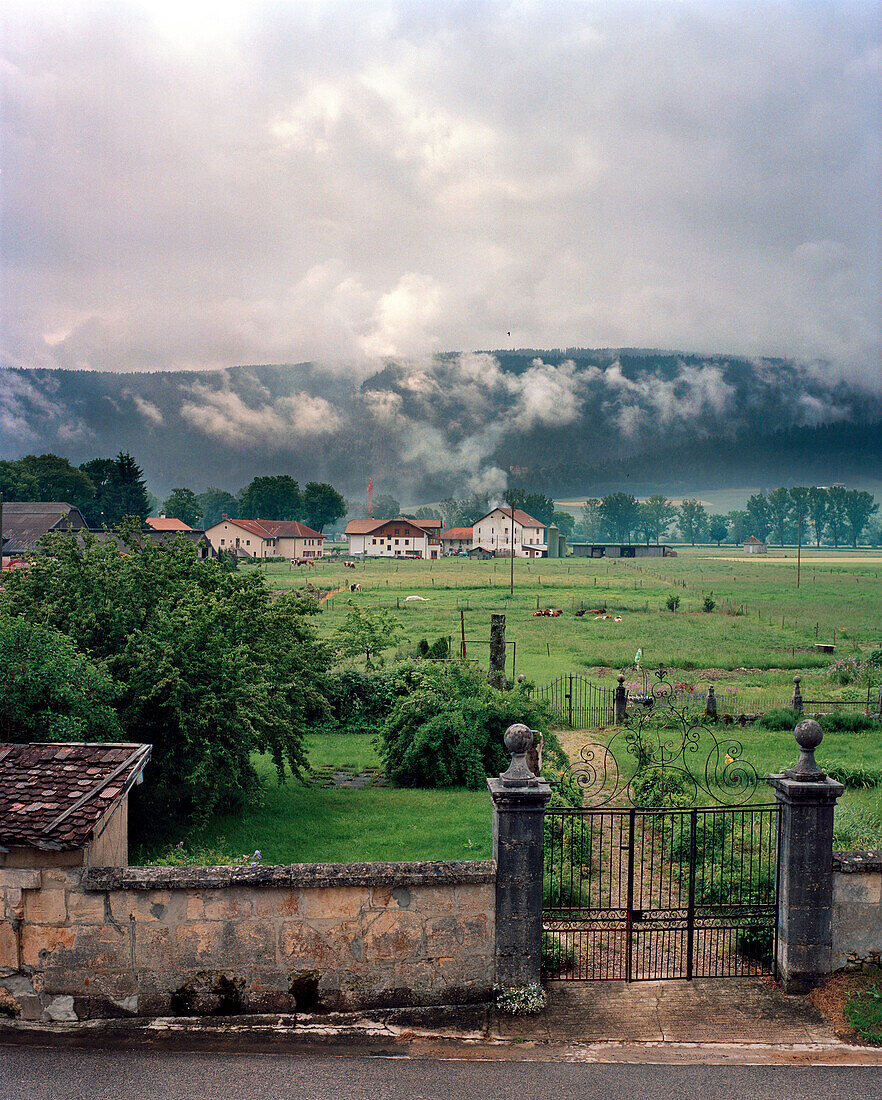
(496,533)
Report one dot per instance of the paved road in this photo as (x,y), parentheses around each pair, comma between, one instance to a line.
(31,1073)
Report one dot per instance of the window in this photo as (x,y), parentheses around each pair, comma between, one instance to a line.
(222,542)
(374,541)
(396,541)
(248,542)
(406,542)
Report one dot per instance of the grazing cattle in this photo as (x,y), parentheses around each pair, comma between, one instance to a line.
(358,588)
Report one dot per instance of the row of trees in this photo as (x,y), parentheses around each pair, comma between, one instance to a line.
(837,514)
(276,496)
(107,489)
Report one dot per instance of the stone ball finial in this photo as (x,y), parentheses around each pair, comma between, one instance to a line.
(621,677)
(809,735)
(521,678)
(797,679)
(518,738)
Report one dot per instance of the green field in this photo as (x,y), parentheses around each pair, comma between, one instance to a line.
(762,630)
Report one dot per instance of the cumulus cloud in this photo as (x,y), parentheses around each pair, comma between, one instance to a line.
(274,426)
(203,185)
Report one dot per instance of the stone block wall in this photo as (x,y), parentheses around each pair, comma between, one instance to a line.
(163,941)
(857,910)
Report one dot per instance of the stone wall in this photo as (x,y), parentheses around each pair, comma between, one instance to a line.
(857,910)
(178,940)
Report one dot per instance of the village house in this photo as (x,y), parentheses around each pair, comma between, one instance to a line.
(393,538)
(163,523)
(266,538)
(456,539)
(494,533)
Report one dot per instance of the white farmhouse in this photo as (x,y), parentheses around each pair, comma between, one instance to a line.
(494,533)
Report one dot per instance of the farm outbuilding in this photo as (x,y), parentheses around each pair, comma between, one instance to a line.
(621,550)
(754,546)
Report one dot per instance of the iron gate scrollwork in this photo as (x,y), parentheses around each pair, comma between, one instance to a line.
(575,700)
(663,887)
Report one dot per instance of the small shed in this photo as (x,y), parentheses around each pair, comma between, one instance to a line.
(481,552)
(66,804)
(754,545)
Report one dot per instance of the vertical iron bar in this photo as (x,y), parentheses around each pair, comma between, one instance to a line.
(570,703)
(690,911)
(629,917)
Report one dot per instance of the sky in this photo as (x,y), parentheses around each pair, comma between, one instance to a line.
(196,185)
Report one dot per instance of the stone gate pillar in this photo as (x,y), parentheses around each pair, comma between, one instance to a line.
(519,799)
(806,797)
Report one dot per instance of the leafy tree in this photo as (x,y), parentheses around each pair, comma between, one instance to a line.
(536,505)
(322,504)
(758,514)
(464,513)
(621,514)
(717,529)
(818,504)
(386,507)
(693,520)
(780,505)
(592,519)
(16,483)
(660,515)
(183,504)
(799,495)
(563,521)
(273,497)
(365,633)
(738,522)
(209,667)
(120,490)
(215,504)
(427,513)
(49,691)
(837,515)
(57,479)
(859,506)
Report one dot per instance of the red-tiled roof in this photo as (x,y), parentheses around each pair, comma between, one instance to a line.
(275,528)
(363,526)
(457,533)
(40,782)
(160,523)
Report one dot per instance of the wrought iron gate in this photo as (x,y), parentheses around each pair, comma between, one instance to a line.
(664,888)
(578,702)
(640,894)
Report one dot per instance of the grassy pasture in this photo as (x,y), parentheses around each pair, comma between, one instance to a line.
(768,642)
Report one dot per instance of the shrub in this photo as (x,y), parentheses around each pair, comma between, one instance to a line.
(855,829)
(661,787)
(448,730)
(49,691)
(853,776)
(672,603)
(850,669)
(709,603)
(523,1001)
(843,721)
(782,719)
(360,700)
(756,943)
(864,1012)
(556,955)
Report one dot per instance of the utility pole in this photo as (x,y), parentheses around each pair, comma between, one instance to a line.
(511,584)
(798,545)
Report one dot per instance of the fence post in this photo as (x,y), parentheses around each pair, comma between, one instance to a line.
(710,706)
(796,701)
(497,651)
(620,702)
(519,799)
(806,799)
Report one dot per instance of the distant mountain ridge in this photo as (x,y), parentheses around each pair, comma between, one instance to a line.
(567,421)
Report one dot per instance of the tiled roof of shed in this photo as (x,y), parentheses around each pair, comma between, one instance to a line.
(41,782)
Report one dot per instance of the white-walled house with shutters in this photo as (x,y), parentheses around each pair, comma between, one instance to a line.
(393,538)
(266,538)
(494,533)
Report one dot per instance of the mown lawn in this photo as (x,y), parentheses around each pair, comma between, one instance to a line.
(298,824)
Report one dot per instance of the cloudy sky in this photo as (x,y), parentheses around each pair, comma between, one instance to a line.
(201,184)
